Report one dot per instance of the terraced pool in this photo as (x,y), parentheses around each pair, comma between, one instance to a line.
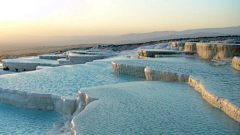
(64,80)
(151,108)
(218,77)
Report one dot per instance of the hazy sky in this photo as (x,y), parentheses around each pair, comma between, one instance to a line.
(114,17)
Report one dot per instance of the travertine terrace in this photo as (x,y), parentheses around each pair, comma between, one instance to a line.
(217,50)
(164,71)
(26,64)
(153,52)
(190,46)
(177,43)
(236,62)
(90,88)
(52,56)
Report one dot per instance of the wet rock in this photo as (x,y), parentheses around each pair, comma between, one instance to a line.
(217,50)
(190,46)
(236,62)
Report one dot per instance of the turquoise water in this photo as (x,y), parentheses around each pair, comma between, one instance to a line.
(151,108)
(64,80)
(15,120)
(218,77)
(129,107)
(3,72)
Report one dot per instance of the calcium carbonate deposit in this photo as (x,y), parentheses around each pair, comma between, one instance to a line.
(218,77)
(31,60)
(64,80)
(150,108)
(27,64)
(125,94)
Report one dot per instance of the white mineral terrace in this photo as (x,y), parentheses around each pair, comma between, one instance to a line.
(52,56)
(43,89)
(177,44)
(74,57)
(92,52)
(64,80)
(218,50)
(146,107)
(27,64)
(96,98)
(190,46)
(154,52)
(236,63)
(82,57)
(204,76)
(37,101)
(205,50)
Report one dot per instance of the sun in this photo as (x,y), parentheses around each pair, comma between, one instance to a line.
(12,10)
(19,10)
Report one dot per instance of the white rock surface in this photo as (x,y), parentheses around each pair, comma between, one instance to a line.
(27,64)
(236,62)
(191,46)
(75,58)
(144,107)
(217,50)
(38,101)
(137,71)
(13,66)
(152,75)
(177,44)
(154,52)
(218,102)
(52,56)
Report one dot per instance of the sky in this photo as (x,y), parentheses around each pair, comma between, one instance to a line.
(114,17)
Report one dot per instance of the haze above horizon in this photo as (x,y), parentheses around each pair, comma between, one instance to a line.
(114,17)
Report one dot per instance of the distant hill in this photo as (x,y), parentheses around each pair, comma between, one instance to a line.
(30,40)
(143,37)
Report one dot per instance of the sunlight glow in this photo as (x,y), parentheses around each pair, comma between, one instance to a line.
(113,17)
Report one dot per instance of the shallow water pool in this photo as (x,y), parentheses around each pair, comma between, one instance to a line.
(218,77)
(65,80)
(15,120)
(151,108)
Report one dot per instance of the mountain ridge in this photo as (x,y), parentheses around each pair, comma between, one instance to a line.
(22,39)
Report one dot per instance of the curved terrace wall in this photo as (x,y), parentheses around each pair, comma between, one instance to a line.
(82,101)
(85,59)
(190,46)
(15,66)
(218,102)
(236,62)
(81,59)
(128,69)
(64,62)
(217,50)
(152,75)
(177,44)
(38,101)
(24,66)
(154,52)
(67,127)
(52,57)
(69,107)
